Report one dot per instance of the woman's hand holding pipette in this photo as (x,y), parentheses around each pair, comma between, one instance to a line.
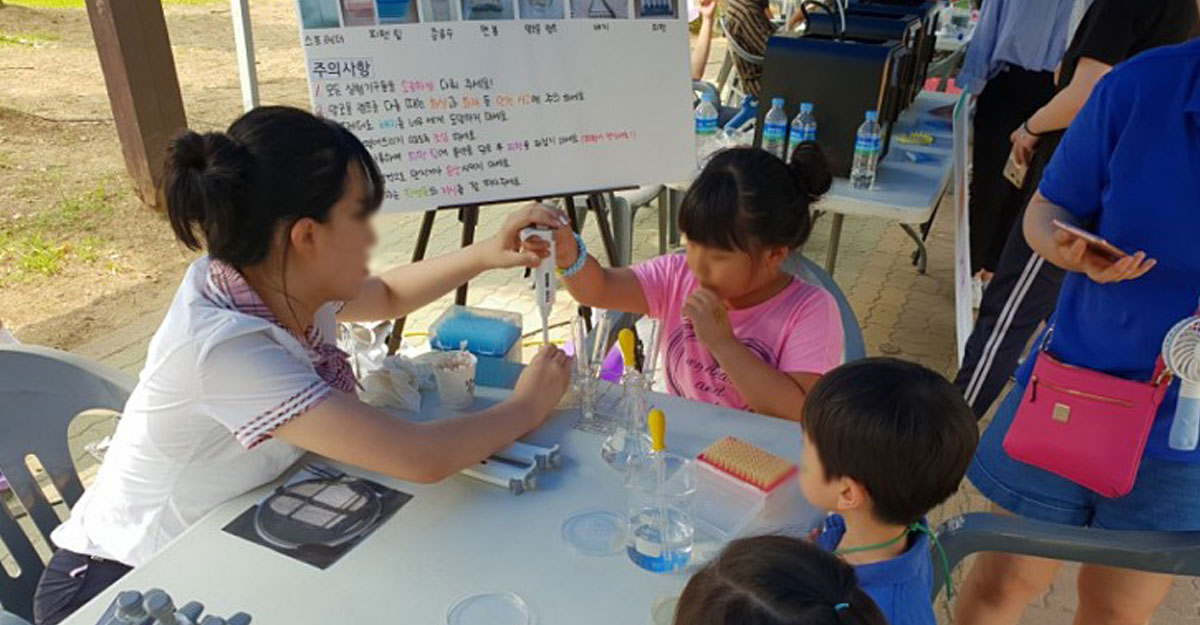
(507,249)
(401,290)
(564,241)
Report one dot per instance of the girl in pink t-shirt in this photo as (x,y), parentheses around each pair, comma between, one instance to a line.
(738,331)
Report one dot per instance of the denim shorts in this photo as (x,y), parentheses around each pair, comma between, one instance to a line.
(1165,497)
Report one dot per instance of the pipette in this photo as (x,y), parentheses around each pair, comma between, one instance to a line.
(650,364)
(627,339)
(544,280)
(656,422)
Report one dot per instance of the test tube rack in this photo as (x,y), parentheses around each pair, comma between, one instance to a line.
(517,466)
(157,608)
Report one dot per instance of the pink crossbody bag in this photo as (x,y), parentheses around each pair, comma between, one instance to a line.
(1086,426)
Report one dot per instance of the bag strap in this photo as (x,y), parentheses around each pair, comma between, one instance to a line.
(1161,376)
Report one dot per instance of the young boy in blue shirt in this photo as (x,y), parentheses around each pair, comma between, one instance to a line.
(885,441)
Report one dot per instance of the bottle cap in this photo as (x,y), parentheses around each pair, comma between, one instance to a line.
(777,102)
(872,116)
(706,97)
(806,107)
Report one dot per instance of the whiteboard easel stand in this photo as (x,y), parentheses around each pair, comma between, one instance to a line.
(469,217)
(243,37)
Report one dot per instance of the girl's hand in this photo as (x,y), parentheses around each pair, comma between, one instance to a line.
(1076,254)
(709,318)
(506,248)
(1023,145)
(707,9)
(543,383)
(565,248)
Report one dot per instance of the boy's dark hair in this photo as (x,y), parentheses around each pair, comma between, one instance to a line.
(274,166)
(900,429)
(775,580)
(747,199)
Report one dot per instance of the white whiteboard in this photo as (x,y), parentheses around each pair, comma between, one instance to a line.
(469,112)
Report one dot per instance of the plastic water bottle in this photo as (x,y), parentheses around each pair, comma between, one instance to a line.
(706,128)
(867,145)
(774,138)
(804,128)
(945,11)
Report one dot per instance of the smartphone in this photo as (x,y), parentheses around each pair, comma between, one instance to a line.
(1098,245)
(1015,172)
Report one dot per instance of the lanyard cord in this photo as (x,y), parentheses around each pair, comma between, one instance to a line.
(876,546)
(915,527)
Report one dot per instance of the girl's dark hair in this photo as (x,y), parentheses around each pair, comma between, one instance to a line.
(274,166)
(775,580)
(747,199)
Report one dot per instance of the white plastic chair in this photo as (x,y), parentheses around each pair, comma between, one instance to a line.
(41,391)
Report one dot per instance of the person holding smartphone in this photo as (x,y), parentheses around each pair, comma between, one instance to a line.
(1024,288)
(1125,172)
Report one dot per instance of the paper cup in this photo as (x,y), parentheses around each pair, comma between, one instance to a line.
(455,375)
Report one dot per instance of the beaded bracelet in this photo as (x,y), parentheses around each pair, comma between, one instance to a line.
(580,260)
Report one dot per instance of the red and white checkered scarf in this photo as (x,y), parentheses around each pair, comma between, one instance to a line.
(227,287)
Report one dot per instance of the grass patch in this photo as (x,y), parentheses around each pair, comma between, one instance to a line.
(89,249)
(38,256)
(78,4)
(27,40)
(44,243)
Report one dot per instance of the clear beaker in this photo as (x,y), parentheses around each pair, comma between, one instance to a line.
(630,440)
(587,373)
(659,523)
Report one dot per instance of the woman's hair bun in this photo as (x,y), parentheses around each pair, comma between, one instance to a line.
(811,169)
(198,152)
(204,175)
(232,192)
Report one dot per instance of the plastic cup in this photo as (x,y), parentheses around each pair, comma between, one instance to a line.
(455,375)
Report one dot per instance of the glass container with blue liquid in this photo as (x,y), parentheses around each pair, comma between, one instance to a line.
(660,524)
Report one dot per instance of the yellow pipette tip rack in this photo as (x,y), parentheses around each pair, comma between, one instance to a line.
(657,422)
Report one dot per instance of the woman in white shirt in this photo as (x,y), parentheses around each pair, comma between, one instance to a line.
(243,375)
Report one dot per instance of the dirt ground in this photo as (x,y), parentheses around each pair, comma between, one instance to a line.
(79,255)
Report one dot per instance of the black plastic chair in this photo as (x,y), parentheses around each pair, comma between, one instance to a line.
(41,391)
(1174,553)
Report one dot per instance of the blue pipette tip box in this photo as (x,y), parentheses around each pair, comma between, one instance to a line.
(488,333)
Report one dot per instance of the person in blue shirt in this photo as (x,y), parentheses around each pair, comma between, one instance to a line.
(1021,294)
(775,580)
(1126,169)
(885,441)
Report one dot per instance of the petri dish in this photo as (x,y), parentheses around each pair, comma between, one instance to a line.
(501,608)
(594,533)
(662,611)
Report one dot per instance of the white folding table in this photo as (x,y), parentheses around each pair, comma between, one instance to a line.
(458,538)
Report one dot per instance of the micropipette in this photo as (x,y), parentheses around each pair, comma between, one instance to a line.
(544,280)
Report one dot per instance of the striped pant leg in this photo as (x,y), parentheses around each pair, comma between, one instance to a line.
(1020,297)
